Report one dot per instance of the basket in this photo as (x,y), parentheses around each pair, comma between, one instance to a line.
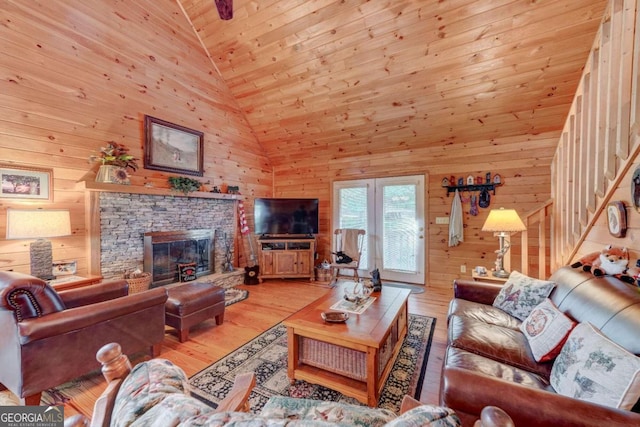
(139,284)
(323,274)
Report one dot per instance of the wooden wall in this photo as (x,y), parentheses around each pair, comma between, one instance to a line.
(75,75)
(523,162)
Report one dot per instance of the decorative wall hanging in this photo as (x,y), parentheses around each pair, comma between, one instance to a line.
(617,219)
(480,183)
(172,148)
(22,182)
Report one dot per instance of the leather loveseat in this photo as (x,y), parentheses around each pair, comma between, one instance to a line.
(48,338)
(488,360)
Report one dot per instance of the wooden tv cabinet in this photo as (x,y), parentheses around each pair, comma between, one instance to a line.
(286,257)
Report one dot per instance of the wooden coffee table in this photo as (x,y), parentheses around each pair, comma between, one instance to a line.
(354,357)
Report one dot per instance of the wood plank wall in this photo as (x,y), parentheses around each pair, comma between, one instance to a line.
(598,150)
(75,75)
(523,162)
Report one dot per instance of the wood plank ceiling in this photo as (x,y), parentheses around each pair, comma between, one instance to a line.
(358,76)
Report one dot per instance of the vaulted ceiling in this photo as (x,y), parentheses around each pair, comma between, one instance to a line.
(376,76)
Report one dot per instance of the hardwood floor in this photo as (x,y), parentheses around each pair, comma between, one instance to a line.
(268,304)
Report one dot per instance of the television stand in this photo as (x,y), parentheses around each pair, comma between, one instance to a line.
(286,257)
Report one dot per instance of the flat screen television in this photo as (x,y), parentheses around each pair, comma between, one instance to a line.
(286,217)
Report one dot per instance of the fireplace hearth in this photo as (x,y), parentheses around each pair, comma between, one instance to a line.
(165,250)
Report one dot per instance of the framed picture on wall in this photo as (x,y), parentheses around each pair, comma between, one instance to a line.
(172,148)
(24,182)
(617,219)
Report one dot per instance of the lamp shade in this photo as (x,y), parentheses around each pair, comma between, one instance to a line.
(37,223)
(503,220)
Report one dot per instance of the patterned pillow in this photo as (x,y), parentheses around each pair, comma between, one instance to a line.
(590,367)
(546,330)
(521,294)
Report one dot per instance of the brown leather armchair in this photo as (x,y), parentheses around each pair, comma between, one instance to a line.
(48,338)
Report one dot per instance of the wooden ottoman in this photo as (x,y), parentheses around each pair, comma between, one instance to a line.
(192,303)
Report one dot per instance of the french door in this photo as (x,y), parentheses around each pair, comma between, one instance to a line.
(391,211)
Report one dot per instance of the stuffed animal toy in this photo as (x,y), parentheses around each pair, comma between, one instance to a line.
(632,275)
(612,261)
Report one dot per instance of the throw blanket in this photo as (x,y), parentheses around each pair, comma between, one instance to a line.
(350,243)
(456,235)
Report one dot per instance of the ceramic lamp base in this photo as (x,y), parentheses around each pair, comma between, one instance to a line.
(41,259)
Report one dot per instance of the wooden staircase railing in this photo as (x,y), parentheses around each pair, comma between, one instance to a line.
(538,223)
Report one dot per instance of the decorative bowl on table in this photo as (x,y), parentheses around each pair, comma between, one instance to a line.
(334,316)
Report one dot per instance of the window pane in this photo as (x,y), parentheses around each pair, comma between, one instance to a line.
(353,214)
(400,237)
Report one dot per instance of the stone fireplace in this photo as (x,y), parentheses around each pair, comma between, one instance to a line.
(126,218)
(166,251)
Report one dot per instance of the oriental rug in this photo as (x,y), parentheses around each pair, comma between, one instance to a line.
(233,295)
(266,356)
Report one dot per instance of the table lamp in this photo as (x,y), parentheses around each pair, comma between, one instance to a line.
(38,224)
(503,222)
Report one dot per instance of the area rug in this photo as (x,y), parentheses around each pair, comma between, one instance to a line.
(415,289)
(266,356)
(233,295)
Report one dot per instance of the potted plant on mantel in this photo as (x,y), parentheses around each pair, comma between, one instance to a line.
(115,159)
(184,184)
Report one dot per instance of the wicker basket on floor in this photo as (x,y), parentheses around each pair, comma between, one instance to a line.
(139,283)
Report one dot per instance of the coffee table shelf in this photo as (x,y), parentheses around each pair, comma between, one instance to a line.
(368,342)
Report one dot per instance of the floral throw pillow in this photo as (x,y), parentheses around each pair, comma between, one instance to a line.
(546,330)
(590,367)
(521,294)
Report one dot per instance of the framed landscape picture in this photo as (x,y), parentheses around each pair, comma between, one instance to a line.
(172,148)
(22,182)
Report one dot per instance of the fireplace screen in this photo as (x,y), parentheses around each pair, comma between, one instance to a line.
(163,251)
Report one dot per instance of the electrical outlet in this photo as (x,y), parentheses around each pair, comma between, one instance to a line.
(442,220)
(463,268)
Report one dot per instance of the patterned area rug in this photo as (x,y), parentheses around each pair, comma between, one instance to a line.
(233,295)
(415,289)
(266,356)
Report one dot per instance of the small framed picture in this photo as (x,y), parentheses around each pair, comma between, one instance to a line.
(23,182)
(64,268)
(617,219)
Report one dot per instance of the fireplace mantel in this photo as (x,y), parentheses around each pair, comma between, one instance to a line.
(154,191)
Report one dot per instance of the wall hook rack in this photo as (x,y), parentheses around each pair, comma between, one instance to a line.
(474,187)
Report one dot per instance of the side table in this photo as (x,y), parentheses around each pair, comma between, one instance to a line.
(488,278)
(71,282)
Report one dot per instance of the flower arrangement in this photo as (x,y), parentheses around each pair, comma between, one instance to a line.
(117,155)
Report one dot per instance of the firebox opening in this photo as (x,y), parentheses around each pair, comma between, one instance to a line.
(163,251)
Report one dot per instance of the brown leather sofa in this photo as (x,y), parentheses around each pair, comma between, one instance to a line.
(48,338)
(488,360)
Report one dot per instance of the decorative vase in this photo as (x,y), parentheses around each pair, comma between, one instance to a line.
(112,174)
